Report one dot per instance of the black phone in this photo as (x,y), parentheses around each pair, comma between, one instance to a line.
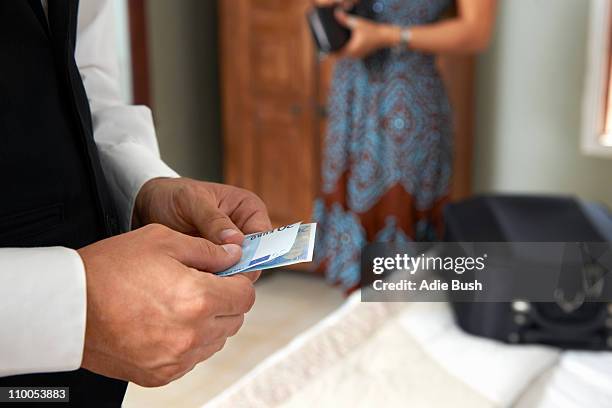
(328,34)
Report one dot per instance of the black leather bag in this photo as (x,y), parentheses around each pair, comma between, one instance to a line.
(533,219)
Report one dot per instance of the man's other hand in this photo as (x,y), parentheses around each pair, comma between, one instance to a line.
(153,312)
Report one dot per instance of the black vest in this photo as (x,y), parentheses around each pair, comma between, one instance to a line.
(53,188)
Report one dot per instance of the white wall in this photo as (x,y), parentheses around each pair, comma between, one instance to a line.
(120,7)
(184,79)
(529,102)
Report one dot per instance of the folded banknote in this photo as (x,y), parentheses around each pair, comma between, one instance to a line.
(282,246)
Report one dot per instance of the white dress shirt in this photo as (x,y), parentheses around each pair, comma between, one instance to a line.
(43,290)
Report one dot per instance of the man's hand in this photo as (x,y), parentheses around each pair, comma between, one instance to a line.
(152,314)
(217,212)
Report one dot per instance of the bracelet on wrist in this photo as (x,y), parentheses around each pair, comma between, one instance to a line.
(405,36)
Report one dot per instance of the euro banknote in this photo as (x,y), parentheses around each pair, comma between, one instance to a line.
(301,251)
(279,247)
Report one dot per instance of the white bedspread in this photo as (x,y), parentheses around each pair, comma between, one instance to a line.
(413,354)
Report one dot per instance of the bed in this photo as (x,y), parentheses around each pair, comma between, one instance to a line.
(413,354)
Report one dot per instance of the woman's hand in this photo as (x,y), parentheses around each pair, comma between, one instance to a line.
(345,4)
(325,3)
(366,36)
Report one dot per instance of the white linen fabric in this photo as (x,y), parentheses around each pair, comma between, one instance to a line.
(413,354)
(43,290)
(495,370)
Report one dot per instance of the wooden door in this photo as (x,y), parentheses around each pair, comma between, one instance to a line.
(269,104)
(458,73)
(274,92)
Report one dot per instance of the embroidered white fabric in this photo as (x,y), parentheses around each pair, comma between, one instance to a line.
(412,354)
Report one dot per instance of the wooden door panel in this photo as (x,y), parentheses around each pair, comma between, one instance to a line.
(275,57)
(279,6)
(269,115)
(283,184)
(274,66)
(458,74)
(281,116)
(235,98)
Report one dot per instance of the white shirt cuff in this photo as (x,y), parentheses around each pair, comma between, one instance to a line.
(43,301)
(129,154)
(128,166)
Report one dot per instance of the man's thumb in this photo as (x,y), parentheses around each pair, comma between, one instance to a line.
(201,254)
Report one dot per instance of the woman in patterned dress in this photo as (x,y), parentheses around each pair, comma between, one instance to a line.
(387,160)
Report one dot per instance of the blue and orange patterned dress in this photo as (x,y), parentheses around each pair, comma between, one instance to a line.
(387,160)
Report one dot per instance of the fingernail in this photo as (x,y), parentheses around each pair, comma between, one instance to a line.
(231,249)
(227,233)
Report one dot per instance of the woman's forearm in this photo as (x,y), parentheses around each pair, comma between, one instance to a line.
(469,32)
(450,37)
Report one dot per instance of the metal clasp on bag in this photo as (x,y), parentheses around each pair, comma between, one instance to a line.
(590,285)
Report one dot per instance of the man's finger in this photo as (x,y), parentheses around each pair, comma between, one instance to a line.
(257,221)
(216,226)
(201,254)
(209,350)
(219,328)
(253,276)
(228,296)
(250,213)
(228,326)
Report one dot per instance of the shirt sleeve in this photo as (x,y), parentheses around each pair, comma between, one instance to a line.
(43,290)
(43,310)
(124,134)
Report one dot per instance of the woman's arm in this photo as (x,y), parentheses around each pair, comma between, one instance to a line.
(469,32)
